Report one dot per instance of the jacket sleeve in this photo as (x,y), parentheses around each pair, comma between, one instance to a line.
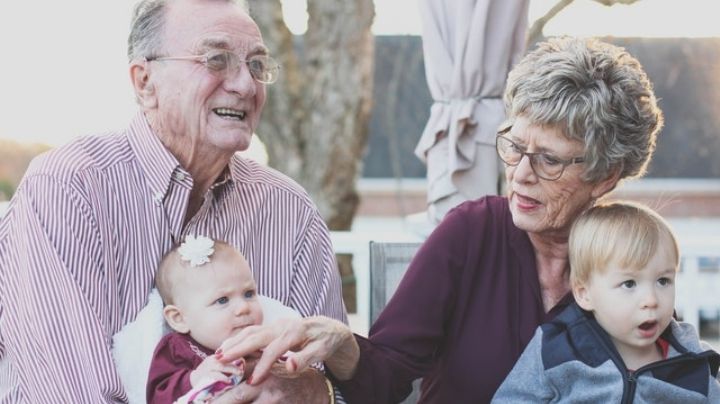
(527,382)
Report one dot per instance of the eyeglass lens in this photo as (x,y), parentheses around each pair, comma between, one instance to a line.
(544,165)
(262,68)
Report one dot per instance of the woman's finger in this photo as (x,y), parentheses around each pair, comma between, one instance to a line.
(290,338)
(244,344)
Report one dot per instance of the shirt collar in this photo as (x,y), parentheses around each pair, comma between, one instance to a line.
(156,162)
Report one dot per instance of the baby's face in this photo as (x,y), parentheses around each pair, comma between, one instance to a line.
(633,305)
(218,299)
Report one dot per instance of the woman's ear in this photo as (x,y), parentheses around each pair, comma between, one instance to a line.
(608,184)
(175,319)
(582,297)
(143,86)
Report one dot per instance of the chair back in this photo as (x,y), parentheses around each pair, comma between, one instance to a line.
(388,263)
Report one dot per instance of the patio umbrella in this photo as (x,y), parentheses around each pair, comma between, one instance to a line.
(469,47)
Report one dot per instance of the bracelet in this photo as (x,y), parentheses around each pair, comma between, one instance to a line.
(331,390)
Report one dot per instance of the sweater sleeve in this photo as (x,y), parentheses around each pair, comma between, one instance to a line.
(527,383)
(403,343)
(169,376)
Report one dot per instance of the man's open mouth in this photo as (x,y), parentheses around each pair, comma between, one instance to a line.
(229,113)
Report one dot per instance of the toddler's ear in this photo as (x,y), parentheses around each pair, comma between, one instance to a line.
(175,319)
(582,297)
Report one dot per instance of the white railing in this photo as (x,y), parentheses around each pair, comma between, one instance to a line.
(697,287)
(357,243)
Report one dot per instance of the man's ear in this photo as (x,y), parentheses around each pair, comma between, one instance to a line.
(582,297)
(143,86)
(175,319)
(606,185)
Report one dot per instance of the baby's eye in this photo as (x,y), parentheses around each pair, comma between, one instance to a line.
(222,300)
(628,284)
(249,294)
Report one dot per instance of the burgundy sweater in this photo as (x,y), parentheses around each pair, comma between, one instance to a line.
(462,315)
(175,357)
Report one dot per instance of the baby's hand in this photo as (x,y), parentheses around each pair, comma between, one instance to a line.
(211,368)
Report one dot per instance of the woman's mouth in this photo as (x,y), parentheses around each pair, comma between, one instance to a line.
(526,203)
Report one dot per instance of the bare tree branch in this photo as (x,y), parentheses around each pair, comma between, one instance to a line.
(535,33)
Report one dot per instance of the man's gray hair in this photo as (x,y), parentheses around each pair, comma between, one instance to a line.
(595,93)
(148,19)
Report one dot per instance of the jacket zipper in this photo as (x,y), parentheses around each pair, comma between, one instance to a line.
(630,378)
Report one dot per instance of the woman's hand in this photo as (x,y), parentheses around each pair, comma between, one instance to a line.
(211,368)
(301,342)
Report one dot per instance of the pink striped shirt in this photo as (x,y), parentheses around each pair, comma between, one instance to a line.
(82,238)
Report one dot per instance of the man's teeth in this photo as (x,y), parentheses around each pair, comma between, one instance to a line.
(230,113)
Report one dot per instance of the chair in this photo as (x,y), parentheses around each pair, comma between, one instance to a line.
(388,263)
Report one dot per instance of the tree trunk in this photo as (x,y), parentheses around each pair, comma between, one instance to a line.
(315,124)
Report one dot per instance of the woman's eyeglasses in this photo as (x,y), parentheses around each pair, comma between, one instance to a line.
(544,165)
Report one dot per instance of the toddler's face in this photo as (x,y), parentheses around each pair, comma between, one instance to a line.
(633,305)
(218,299)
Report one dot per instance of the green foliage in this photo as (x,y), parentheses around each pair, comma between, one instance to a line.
(6,190)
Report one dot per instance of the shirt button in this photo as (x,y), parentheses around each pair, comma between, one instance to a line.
(158,197)
(179,176)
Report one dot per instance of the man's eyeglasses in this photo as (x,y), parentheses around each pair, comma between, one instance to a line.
(544,165)
(262,68)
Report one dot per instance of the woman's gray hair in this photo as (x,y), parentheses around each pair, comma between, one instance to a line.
(148,19)
(595,93)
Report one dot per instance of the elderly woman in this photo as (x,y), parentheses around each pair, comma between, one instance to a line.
(581,117)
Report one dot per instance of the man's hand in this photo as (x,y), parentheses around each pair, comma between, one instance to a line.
(281,386)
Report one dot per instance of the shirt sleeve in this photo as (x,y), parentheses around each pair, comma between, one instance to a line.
(527,383)
(169,376)
(316,287)
(55,300)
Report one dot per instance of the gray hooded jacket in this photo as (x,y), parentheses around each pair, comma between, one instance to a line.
(572,359)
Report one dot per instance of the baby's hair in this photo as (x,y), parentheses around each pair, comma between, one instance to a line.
(171,264)
(625,233)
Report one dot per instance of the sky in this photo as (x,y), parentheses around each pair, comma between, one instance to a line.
(64,70)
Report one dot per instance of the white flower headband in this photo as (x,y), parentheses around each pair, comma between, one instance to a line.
(197,250)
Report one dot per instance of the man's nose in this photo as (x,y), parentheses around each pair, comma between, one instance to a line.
(240,81)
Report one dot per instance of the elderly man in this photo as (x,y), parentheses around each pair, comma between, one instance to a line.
(81,239)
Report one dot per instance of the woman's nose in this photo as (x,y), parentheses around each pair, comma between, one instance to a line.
(524,169)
